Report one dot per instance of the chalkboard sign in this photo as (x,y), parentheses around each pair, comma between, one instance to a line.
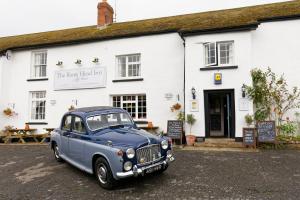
(266,131)
(249,138)
(175,129)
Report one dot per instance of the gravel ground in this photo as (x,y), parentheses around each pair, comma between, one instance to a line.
(30,172)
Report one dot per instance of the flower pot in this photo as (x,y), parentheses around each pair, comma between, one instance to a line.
(190,140)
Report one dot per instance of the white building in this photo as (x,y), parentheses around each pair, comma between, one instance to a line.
(147,66)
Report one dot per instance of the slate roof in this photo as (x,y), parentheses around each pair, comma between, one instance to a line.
(198,23)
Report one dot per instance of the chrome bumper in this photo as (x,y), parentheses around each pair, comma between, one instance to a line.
(140,171)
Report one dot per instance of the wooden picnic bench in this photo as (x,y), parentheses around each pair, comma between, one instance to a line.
(20,135)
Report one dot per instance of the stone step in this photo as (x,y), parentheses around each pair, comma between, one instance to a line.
(220,143)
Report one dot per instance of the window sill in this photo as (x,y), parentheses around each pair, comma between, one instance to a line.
(37,123)
(141,122)
(127,80)
(37,79)
(218,68)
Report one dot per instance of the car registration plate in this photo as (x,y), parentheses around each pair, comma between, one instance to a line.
(153,169)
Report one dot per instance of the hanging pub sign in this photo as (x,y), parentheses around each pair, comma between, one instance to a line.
(80,78)
(175,129)
(266,131)
(218,78)
(249,137)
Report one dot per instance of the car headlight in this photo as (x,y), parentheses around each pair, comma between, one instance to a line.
(130,153)
(164,144)
(127,166)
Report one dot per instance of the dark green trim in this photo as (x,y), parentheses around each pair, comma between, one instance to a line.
(127,80)
(239,139)
(218,68)
(141,122)
(37,123)
(37,79)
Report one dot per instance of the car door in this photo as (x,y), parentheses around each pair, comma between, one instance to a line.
(65,134)
(77,140)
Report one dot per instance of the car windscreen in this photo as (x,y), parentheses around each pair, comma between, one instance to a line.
(97,122)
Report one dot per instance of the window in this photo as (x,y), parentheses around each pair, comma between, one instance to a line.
(39,66)
(38,105)
(225,52)
(210,54)
(79,126)
(219,53)
(67,123)
(135,105)
(109,120)
(129,66)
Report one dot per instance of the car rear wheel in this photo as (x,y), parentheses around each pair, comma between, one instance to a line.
(104,174)
(56,153)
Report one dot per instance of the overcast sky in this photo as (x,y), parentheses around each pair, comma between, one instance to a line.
(28,16)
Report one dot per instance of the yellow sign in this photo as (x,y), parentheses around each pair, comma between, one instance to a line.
(218,78)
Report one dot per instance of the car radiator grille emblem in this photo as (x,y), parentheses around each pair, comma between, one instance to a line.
(148,154)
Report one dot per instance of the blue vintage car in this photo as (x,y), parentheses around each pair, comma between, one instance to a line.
(106,142)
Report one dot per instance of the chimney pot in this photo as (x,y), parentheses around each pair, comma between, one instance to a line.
(105,14)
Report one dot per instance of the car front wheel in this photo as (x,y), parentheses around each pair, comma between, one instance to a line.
(104,174)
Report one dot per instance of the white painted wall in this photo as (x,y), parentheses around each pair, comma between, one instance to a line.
(276,45)
(161,62)
(204,80)
(273,44)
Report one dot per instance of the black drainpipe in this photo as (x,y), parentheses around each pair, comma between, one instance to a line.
(184,55)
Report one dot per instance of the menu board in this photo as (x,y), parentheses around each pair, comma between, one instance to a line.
(175,129)
(266,131)
(249,138)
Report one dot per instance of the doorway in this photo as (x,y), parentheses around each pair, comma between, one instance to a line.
(219,113)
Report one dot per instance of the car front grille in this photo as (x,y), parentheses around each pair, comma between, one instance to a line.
(148,154)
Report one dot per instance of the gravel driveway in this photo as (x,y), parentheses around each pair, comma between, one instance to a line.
(30,172)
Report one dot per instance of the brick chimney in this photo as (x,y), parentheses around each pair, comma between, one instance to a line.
(105,14)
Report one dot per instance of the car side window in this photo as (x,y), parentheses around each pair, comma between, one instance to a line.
(66,126)
(79,126)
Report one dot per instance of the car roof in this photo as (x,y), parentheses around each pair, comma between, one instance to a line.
(95,110)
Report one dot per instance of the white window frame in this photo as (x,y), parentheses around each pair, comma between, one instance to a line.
(34,65)
(31,105)
(206,54)
(118,72)
(136,101)
(219,54)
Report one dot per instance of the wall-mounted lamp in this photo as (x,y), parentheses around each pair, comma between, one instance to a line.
(78,62)
(59,63)
(96,60)
(244,91)
(193,90)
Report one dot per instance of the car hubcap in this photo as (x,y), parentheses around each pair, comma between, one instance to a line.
(102,174)
(56,152)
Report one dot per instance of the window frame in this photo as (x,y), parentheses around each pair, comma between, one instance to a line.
(127,63)
(217,54)
(136,101)
(31,99)
(34,65)
(205,58)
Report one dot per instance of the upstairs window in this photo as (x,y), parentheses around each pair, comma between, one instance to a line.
(129,66)
(219,54)
(39,64)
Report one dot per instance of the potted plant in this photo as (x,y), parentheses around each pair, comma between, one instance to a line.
(190,138)
(249,120)
(9,112)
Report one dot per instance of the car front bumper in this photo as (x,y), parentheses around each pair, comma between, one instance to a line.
(141,171)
